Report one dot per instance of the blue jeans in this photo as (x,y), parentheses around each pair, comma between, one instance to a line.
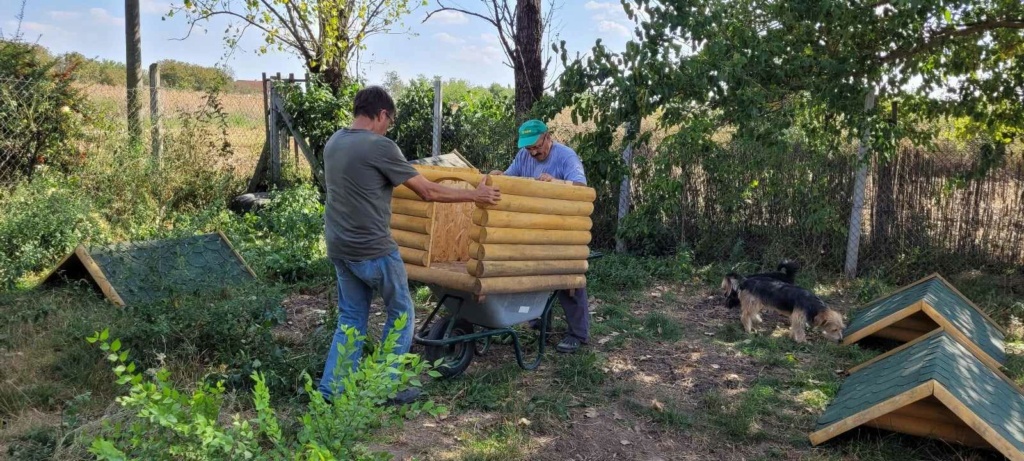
(357,281)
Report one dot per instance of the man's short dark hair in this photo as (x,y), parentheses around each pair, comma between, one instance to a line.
(371,100)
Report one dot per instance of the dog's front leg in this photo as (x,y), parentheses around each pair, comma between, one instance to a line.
(748,321)
(798,326)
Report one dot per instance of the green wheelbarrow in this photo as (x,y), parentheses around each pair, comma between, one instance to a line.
(469,322)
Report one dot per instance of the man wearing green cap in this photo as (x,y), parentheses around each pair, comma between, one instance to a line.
(541,158)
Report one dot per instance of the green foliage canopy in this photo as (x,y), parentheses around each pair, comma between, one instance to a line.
(759,65)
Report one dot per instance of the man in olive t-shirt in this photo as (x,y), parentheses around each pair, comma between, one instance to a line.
(362,168)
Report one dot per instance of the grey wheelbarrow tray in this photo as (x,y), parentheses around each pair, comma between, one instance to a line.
(494,314)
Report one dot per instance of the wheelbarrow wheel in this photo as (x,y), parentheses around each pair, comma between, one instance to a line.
(455,357)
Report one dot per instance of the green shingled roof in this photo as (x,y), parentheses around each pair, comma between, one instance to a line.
(939,358)
(143,272)
(946,302)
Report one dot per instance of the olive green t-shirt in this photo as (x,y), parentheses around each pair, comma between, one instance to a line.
(361,169)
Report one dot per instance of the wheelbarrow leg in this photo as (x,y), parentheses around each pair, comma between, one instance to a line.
(425,326)
(541,340)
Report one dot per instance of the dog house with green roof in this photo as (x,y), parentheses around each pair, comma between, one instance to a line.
(143,272)
(934,388)
(926,305)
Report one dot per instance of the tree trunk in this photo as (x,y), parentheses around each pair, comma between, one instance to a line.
(527,59)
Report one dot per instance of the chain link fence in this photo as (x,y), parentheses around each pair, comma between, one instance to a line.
(37,129)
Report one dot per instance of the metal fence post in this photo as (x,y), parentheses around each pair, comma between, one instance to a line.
(435,149)
(157,129)
(624,196)
(856,212)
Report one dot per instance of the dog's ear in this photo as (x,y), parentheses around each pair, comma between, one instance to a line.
(734,281)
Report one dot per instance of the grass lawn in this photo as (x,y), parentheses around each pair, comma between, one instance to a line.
(669,374)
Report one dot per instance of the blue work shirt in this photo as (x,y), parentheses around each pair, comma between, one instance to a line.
(562,163)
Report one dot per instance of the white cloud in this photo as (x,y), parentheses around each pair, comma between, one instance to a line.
(487,54)
(33,27)
(603,6)
(154,7)
(445,37)
(450,17)
(102,17)
(64,15)
(612,27)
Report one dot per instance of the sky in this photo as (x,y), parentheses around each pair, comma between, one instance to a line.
(449,45)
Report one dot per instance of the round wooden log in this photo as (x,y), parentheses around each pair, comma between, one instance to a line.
(486,269)
(449,279)
(531,236)
(411,239)
(410,223)
(494,218)
(437,175)
(501,252)
(898,334)
(521,204)
(530,187)
(413,256)
(415,208)
(406,193)
(525,284)
(956,433)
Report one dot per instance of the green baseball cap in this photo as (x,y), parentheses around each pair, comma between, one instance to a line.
(530,131)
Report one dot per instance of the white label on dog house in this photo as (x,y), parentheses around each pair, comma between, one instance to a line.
(524,309)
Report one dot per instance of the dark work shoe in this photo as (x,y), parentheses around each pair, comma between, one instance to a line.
(568,344)
(405,397)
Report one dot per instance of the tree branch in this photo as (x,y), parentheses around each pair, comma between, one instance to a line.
(459,10)
(944,36)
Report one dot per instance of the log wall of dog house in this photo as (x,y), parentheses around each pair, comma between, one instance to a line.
(536,238)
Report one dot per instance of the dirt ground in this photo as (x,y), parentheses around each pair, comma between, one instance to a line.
(656,400)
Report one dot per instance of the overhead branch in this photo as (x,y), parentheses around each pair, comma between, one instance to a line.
(946,35)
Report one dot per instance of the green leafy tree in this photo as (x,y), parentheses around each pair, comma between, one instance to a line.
(325,34)
(771,82)
(753,65)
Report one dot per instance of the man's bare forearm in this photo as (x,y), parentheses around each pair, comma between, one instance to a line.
(444,194)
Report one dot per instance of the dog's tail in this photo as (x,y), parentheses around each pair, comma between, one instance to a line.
(790,268)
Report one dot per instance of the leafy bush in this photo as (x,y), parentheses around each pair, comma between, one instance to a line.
(285,240)
(316,112)
(40,222)
(231,328)
(187,76)
(479,123)
(40,111)
(168,424)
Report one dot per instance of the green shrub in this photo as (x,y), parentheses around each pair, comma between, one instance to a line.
(286,239)
(40,222)
(42,113)
(168,424)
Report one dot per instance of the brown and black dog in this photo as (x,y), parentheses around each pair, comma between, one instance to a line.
(785,271)
(799,304)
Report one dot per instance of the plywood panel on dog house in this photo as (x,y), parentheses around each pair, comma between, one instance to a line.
(918,308)
(911,386)
(142,272)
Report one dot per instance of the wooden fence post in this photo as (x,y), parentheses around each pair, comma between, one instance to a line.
(157,129)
